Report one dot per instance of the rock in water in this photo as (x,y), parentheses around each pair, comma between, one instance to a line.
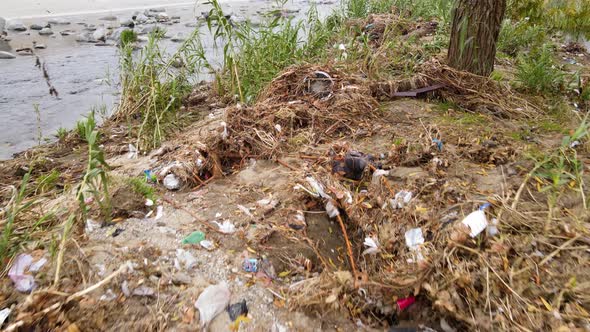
(59,21)
(108,18)
(141,18)
(100,34)
(16,26)
(46,32)
(86,38)
(6,55)
(127,23)
(36,27)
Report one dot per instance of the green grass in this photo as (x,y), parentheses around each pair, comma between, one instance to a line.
(518,36)
(154,84)
(47,182)
(538,73)
(61,134)
(280,41)
(140,187)
(128,37)
(82,125)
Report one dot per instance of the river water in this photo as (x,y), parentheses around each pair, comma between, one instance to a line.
(85,75)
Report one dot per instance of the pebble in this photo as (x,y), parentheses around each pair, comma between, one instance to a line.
(162,16)
(59,21)
(46,32)
(6,55)
(90,27)
(181,279)
(16,26)
(40,46)
(36,27)
(85,38)
(67,33)
(157,10)
(127,23)
(141,18)
(108,18)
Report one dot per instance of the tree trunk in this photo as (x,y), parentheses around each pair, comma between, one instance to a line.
(475,31)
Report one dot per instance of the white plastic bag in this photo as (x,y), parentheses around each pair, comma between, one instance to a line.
(212,301)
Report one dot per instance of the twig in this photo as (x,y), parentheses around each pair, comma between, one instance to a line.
(286,165)
(349,249)
(556,251)
(99,284)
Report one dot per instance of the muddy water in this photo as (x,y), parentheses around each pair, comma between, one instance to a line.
(85,75)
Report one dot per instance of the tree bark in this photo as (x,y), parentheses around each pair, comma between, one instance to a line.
(474,33)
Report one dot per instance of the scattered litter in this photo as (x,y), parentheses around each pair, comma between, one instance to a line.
(226,227)
(159,212)
(414,238)
(372,246)
(117,231)
(476,221)
(212,301)
(331,209)
(218,215)
(575,144)
(207,244)
(224,133)
(318,189)
(35,267)
(24,283)
(439,144)
(403,304)
(108,296)
(91,226)
(298,221)
(132,152)
(143,291)
(267,204)
(194,238)
(185,258)
(125,288)
(245,210)
(378,174)
(149,176)
(6,311)
(493,228)
(250,265)
(320,85)
(149,202)
(353,166)
(171,182)
(237,309)
(278,128)
(401,199)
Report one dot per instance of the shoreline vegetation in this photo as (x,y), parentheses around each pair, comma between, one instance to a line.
(371,184)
